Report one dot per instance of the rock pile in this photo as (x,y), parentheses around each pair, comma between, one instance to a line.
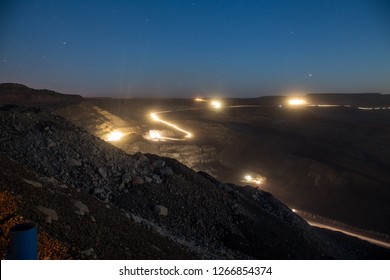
(49,145)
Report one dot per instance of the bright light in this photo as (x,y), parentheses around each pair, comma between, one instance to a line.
(216,104)
(154,135)
(248,178)
(114,136)
(200,100)
(296,101)
(154,117)
(294,210)
(257,180)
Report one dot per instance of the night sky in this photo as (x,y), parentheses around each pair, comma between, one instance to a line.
(185,48)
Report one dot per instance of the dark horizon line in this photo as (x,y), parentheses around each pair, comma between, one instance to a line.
(117,96)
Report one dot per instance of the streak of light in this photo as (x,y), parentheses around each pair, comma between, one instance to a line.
(155,117)
(342,228)
(369,239)
(324,105)
(114,136)
(200,100)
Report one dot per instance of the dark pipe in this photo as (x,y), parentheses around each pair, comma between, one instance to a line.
(24,242)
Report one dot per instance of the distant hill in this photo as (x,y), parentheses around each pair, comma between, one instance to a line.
(353,99)
(13,93)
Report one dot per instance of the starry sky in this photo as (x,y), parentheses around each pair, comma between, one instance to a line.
(166,48)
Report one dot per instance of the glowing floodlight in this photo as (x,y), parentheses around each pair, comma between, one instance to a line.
(257,180)
(200,100)
(114,136)
(296,102)
(216,104)
(154,135)
(248,178)
(154,117)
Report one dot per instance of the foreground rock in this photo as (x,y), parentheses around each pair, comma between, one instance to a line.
(82,228)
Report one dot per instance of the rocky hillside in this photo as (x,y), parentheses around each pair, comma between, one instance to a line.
(73,225)
(73,183)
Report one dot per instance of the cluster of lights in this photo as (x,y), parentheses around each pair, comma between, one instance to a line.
(216,104)
(254,180)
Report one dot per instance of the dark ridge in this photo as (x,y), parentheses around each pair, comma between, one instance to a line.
(12,85)
(353,99)
(344,94)
(18,94)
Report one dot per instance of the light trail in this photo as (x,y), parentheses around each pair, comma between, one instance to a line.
(216,104)
(348,232)
(155,117)
(324,105)
(343,228)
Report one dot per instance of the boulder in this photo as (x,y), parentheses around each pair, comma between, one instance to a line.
(103,172)
(74,162)
(160,210)
(81,208)
(166,171)
(126,178)
(137,181)
(51,214)
(158,163)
